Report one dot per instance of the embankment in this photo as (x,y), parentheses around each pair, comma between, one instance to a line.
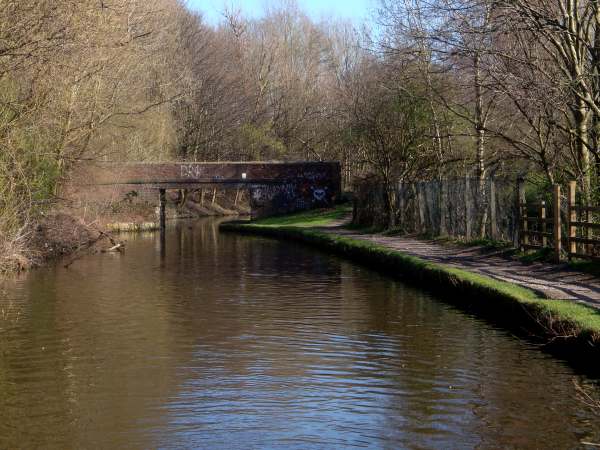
(563,327)
(70,227)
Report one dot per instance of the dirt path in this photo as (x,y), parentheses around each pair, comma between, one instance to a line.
(550,280)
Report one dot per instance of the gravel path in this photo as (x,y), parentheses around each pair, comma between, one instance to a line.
(555,281)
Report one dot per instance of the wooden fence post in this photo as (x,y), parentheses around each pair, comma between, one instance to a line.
(522,213)
(492,203)
(572,217)
(557,227)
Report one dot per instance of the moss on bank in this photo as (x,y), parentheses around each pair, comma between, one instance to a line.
(571,328)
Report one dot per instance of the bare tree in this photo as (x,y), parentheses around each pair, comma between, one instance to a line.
(389,126)
(566,34)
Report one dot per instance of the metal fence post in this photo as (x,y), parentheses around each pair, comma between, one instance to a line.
(493,223)
(522,237)
(443,206)
(467,208)
(401,206)
(543,223)
(572,217)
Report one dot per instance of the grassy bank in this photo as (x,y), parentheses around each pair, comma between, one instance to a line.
(563,326)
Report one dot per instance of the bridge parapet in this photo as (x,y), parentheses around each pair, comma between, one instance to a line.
(275,187)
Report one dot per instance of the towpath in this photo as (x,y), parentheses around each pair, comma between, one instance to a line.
(556,281)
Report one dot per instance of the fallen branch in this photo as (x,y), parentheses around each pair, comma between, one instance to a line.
(116,248)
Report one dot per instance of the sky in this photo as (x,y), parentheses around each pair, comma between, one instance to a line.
(358,11)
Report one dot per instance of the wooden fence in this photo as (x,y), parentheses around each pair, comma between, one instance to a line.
(541,225)
(583,243)
(537,228)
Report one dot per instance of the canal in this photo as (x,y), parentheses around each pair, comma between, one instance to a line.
(227,341)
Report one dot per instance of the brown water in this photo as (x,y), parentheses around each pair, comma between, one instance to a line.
(227,342)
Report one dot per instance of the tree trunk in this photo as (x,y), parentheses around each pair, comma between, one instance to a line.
(582,123)
(480,155)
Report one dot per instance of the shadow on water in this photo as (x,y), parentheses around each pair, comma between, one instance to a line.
(223,341)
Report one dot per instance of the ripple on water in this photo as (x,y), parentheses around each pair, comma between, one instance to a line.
(240,342)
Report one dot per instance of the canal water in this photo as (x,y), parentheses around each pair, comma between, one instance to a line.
(227,341)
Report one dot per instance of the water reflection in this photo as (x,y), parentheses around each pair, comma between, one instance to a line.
(226,341)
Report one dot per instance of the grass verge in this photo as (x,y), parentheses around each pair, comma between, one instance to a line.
(568,327)
(305,219)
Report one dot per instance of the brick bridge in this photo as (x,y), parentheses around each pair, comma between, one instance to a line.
(275,187)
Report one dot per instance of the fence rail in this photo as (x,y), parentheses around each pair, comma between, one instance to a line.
(492,208)
(544,238)
(581,226)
